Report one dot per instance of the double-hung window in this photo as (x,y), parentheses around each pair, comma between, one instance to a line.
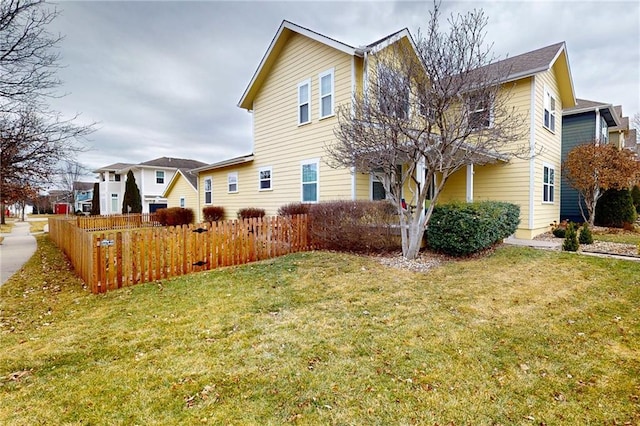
(549,111)
(160,177)
(548,183)
(232,182)
(479,112)
(208,194)
(304,102)
(393,92)
(326,93)
(264,178)
(309,180)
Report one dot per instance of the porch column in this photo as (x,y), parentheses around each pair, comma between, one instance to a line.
(469,183)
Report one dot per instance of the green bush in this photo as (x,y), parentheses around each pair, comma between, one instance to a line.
(213,213)
(559,229)
(250,212)
(571,239)
(460,229)
(355,226)
(293,209)
(635,196)
(585,235)
(174,216)
(615,208)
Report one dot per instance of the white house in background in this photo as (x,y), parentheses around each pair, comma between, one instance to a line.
(152,178)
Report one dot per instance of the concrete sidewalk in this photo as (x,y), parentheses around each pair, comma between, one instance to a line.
(540,244)
(17,247)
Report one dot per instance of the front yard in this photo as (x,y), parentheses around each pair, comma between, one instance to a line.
(517,337)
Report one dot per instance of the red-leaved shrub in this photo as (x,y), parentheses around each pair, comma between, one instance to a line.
(174,216)
(213,213)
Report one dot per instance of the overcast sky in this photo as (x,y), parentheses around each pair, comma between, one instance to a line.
(164,78)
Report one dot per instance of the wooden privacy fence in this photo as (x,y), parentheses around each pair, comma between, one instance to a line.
(111,260)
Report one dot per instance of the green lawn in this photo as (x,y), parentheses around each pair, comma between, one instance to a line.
(624,238)
(520,337)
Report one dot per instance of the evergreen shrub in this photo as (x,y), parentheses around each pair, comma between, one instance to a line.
(571,239)
(460,229)
(615,208)
(586,237)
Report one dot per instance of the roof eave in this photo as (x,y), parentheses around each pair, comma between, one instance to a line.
(225,163)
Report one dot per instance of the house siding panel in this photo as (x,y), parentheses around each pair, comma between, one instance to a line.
(182,188)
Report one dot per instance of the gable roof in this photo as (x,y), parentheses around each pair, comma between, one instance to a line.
(607,111)
(190,178)
(285,31)
(178,163)
(113,167)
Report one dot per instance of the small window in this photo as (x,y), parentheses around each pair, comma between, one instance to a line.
(208,199)
(115,205)
(182,202)
(604,130)
(326,93)
(160,177)
(548,184)
(232,182)
(549,111)
(393,92)
(304,102)
(264,179)
(479,112)
(116,177)
(310,181)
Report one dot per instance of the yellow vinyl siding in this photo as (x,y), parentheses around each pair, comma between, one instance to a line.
(182,188)
(283,144)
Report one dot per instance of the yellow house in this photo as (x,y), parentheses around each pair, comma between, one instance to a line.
(182,190)
(304,76)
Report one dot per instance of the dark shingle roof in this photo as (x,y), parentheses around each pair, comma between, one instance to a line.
(178,163)
(531,62)
(191,177)
(584,104)
(114,166)
(82,186)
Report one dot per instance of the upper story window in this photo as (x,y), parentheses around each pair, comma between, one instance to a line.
(116,177)
(304,102)
(549,111)
(310,181)
(604,131)
(393,92)
(208,194)
(548,183)
(232,182)
(264,178)
(160,177)
(480,114)
(326,93)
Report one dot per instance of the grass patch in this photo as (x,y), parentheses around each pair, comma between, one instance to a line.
(623,238)
(326,338)
(7,227)
(37,225)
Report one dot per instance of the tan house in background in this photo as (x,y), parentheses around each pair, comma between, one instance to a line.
(293,96)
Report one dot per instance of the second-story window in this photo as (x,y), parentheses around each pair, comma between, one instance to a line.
(304,102)
(264,178)
(116,177)
(208,195)
(232,182)
(393,92)
(549,111)
(326,93)
(479,112)
(160,177)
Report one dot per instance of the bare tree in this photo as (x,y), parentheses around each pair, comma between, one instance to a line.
(434,104)
(34,140)
(70,173)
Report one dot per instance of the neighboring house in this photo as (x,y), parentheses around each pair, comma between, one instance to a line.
(182,190)
(152,178)
(586,122)
(82,196)
(61,200)
(304,76)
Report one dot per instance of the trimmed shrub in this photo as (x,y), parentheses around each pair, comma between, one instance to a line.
(213,213)
(174,216)
(571,239)
(250,212)
(635,196)
(615,208)
(559,230)
(585,234)
(293,209)
(355,226)
(460,229)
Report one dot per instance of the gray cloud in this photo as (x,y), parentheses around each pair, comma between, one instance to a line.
(164,78)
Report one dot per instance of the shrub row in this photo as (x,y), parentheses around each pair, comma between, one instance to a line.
(460,229)
(174,216)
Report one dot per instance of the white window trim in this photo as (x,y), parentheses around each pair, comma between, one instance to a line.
(332,93)
(315,161)
(182,202)
(308,103)
(231,176)
(204,190)
(547,107)
(546,184)
(270,170)
(117,204)
(163,177)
